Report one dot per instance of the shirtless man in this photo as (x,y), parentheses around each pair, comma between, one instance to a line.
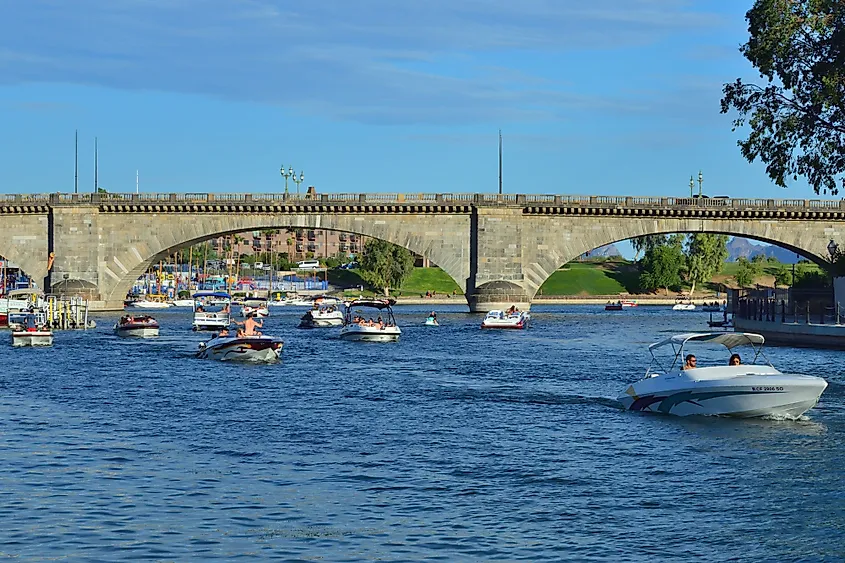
(249,326)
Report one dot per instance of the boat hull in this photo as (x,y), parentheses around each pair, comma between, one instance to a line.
(40,338)
(149,305)
(513,326)
(320,323)
(136,331)
(782,395)
(370,334)
(256,349)
(431,322)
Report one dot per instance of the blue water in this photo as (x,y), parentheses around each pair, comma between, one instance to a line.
(454,444)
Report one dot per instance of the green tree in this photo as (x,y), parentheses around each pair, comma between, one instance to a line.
(797,120)
(747,272)
(385,265)
(661,267)
(646,243)
(783,277)
(706,254)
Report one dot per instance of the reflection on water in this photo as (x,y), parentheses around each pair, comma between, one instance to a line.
(454,443)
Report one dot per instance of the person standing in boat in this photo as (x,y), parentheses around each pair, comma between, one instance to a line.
(249,325)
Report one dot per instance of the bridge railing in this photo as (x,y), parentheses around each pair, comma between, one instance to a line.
(425,198)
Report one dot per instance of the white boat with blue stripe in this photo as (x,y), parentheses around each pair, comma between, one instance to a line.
(732,388)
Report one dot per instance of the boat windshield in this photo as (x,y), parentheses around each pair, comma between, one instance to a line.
(680,343)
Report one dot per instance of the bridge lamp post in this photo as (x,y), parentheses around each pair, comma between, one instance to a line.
(691,186)
(285,174)
(700,182)
(298,181)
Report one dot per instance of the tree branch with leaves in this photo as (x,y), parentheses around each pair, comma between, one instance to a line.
(796,120)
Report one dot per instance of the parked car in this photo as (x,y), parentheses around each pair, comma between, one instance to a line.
(308,265)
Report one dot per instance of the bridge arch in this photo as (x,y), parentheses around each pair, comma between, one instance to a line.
(443,239)
(582,235)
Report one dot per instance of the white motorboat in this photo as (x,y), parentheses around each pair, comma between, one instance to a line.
(232,348)
(683,306)
(256,307)
(212,310)
(137,326)
(30,329)
(357,326)
(322,317)
(151,301)
(512,318)
(182,302)
(741,390)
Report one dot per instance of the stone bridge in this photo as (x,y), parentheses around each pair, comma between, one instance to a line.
(498,248)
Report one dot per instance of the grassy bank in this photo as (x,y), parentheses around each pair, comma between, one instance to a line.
(420,281)
(590,277)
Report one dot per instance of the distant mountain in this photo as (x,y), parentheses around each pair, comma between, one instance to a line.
(744,248)
(605,251)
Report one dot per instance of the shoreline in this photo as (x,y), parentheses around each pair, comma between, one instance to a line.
(562,300)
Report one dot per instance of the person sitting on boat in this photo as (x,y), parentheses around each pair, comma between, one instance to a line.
(690,362)
(432,315)
(735,360)
(223,333)
(225,308)
(200,308)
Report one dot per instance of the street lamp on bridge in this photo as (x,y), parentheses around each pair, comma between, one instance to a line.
(700,181)
(298,180)
(691,185)
(833,249)
(285,174)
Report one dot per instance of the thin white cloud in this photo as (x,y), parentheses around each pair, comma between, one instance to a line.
(368,60)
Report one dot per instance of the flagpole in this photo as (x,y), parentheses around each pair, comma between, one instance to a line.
(76,163)
(500,161)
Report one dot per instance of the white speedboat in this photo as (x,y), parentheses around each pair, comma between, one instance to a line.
(30,329)
(138,326)
(742,390)
(512,318)
(359,326)
(322,317)
(256,307)
(151,301)
(212,310)
(683,306)
(232,348)
(182,302)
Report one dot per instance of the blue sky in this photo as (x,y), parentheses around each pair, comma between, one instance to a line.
(600,97)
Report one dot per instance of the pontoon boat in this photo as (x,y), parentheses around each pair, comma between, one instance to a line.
(212,310)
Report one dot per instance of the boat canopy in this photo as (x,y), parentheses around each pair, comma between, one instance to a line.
(377,303)
(220,294)
(24,292)
(728,339)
